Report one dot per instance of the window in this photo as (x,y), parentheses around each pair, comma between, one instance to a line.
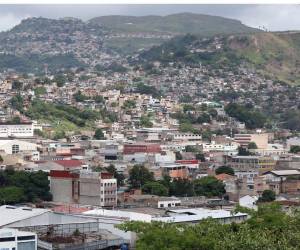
(15,149)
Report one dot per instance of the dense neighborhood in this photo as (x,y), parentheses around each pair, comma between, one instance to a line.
(92,148)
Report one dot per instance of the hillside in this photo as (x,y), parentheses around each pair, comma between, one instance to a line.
(181,23)
(129,34)
(276,55)
(38,41)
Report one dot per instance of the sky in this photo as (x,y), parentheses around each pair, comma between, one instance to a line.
(272,17)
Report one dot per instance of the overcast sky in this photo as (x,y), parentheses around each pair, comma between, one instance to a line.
(273,17)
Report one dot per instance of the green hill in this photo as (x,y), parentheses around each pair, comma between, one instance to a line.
(181,23)
(144,32)
(274,54)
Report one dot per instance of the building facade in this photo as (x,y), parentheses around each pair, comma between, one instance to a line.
(88,188)
(13,239)
(21,130)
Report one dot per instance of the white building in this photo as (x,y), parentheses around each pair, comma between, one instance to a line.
(17,146)
(12,239)
(194,215)
(165,202)
(248,201)
(21,130)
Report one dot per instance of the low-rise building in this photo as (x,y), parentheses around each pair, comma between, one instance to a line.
(12,239)
(19,130)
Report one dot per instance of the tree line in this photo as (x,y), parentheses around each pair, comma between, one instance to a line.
(22,186)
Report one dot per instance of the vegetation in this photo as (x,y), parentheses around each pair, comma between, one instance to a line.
(79,97)
(177,23)
(268,228)
(145,122)
(39,110)
(99,135)
(252,118)
(295,149)
(252,145)
(147,89)
(21,186)
(209,186)
(267,196)
(129,104)
(34,63)
(225,170)
(155,188)
(139,175)
(119,176)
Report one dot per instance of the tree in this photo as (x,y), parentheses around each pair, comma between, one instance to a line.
(258,232)
(99,135)
(99,99)
(267,196)
(139,175)
(225,170)
(120,177)
(200,156)
(252,118)
(252,145)
(11,195)
(60,80)
(295,149)
(129,104)
(181,187)
(79,97)
(17,102)
(209,186)
(34,186)
(145,122)
(155,188)
(178,155)
(186,127)
(190,148)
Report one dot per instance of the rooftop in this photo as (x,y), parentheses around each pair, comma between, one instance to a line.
(11,214)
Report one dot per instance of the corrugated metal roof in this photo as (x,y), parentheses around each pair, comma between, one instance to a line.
(11,214)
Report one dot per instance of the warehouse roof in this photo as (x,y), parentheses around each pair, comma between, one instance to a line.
(11,214)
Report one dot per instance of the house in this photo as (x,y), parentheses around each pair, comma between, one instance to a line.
(248,201)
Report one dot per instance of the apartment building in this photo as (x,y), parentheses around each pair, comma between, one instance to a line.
(88,188)
(20,130)
(246,163)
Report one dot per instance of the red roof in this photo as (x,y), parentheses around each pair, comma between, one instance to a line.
(63,174)
(69,163)
(187,161)
(223,177)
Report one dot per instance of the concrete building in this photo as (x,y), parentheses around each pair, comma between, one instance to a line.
(13,239)
(89,188)
(17,146)
(21,130)
(261,140)
(246,163)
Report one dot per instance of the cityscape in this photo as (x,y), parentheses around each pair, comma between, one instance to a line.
(149,131)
